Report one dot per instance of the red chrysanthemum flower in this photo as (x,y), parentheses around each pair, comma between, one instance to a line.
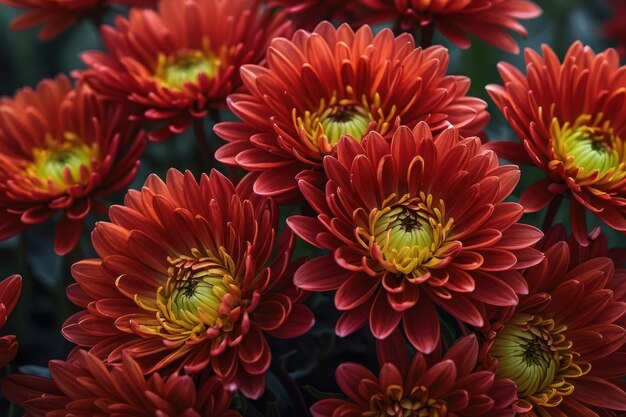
(322,85)
(569,118)
(10,289)
(561,344)
(60,150)
(58,15)
(86,387)
(418,387)
(415,224)
(185,279)
(183,60)
(306,14)
(488,20)
(615,28)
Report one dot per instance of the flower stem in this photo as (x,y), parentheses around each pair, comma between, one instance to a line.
(551,213)
(297,399)
(21,309)
(206,154)
(424,35)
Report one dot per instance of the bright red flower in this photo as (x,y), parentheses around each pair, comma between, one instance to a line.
(561,344)
(415,224)
(10,289)
(569,118)
(322,85)
(86,387)
(60,151)
(420,387)
(186,280)
(488,20)
(184,59)
(615,28)
(58,15)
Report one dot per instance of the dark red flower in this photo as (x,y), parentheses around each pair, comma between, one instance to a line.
(563,344)
(60,151)
(420,387)
(306,14)
(488,20)
(184,59)
(185,279)
(319,86)
(86,387)
(10,289)
(415,224)
(614,28)
(568,116)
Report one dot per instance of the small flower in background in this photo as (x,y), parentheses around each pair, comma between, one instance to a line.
(185,280)
(415,224)
(615,28)
(306,14)
(181,61)
(10,289)
(569,118)
(322,85)
(60,150)
(58,15)
(563,344)
(420,386)
(488,20)
(85,387)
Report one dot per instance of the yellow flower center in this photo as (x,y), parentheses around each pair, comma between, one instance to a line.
(62,163)
(589,147)
(535,354)
(410,233)
(323,127)
(199,294)
(396,404)
(176,70)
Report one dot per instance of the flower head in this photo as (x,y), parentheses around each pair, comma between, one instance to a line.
(415,224)
(182,60)
(488,20)
(614,28)
(420,387)
(60,150)
(86,387)
(567,116)
(319,86)
(561,344)
(306,14)
(10,289)
(185,279)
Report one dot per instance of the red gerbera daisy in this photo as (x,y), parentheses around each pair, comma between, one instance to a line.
(420,387)
(185,279)
(86,387)
(10,289)
(488,20)
(322,85)
(60,150)
(569,118)
(615,28)
(561,344)
(183,60)
(415,224)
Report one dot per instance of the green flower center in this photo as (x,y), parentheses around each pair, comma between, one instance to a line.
(535,354)
(174,71)
(396,404)
(591,146)
(342,120)
(409,233)
(62,163)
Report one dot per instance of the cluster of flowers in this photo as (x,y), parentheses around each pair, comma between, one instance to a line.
(403,193)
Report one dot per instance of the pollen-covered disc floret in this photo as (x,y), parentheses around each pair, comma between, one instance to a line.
(331,82)
(419,386)
(561,344)
(177,63)
(566,115)
(186,279)
(61,149)
(415,223)
(83,386)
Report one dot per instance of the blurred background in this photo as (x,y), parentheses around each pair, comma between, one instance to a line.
(24,61)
